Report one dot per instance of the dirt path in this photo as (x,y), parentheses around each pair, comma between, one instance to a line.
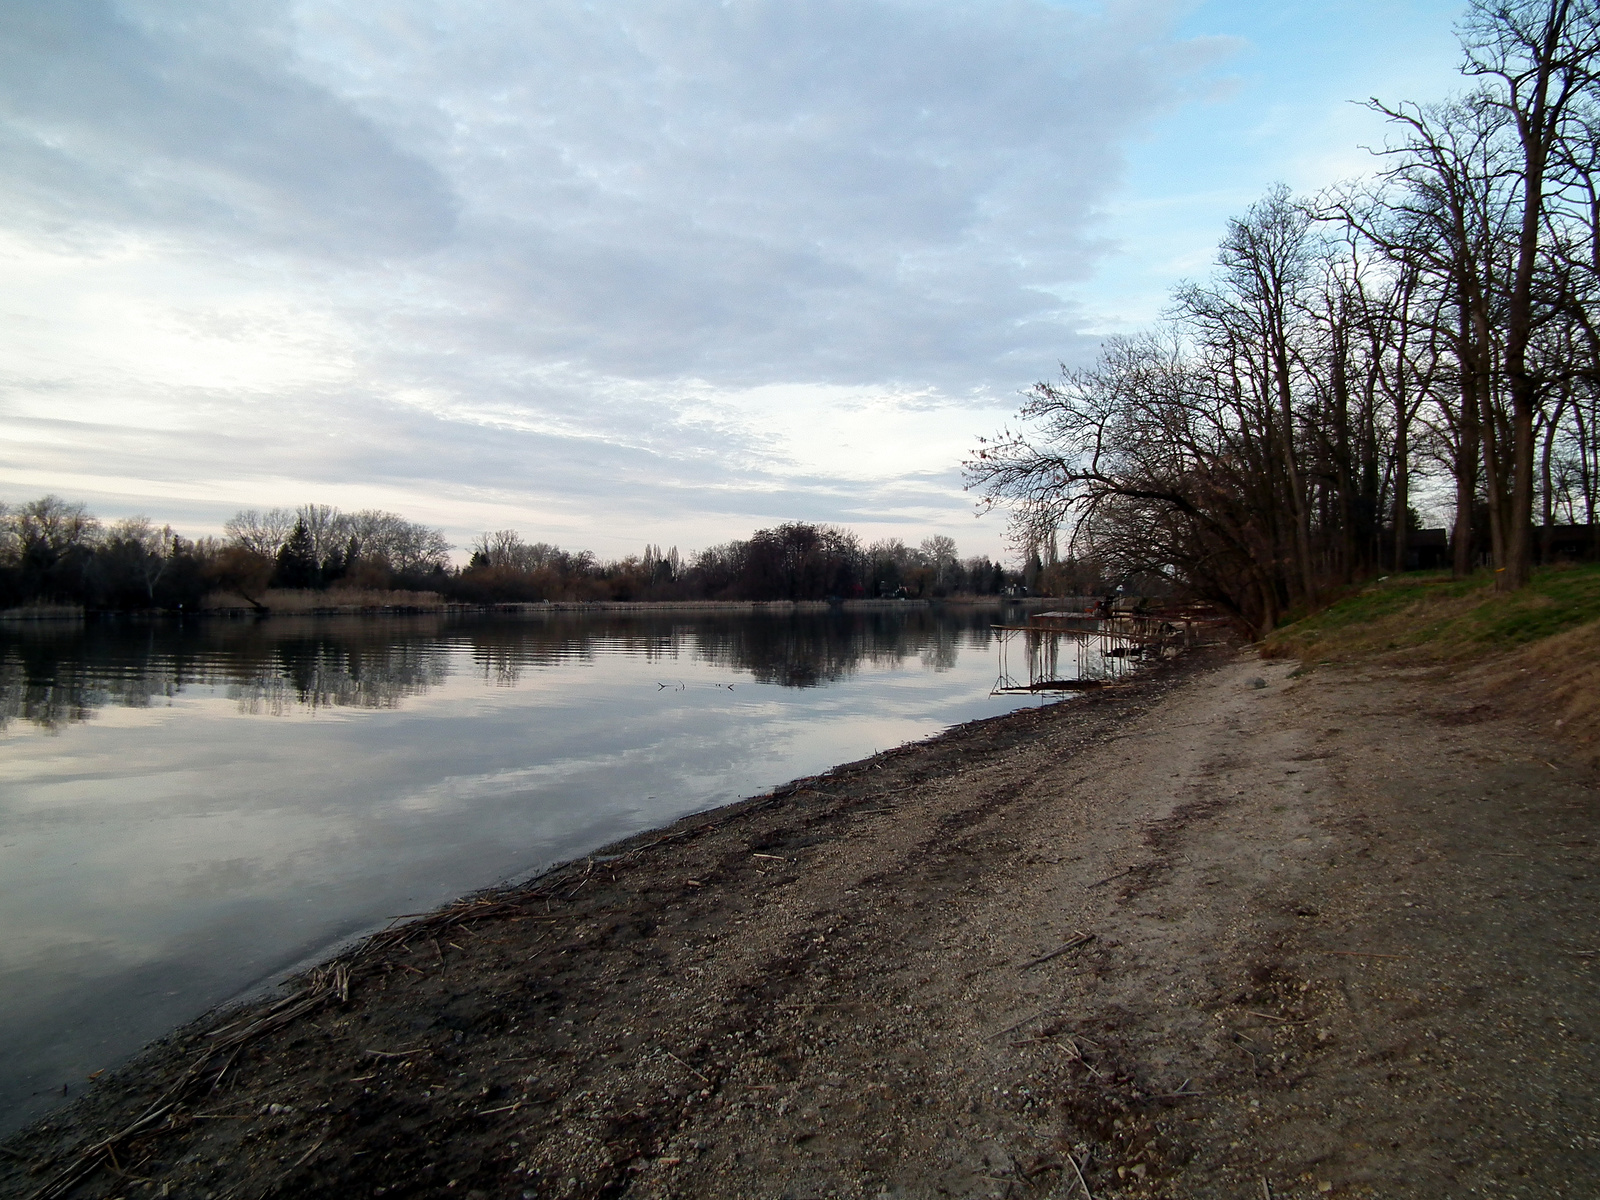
(1228,933)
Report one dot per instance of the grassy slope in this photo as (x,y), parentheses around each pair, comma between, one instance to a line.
(1536,651)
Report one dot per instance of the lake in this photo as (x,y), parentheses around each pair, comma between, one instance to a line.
(188,810)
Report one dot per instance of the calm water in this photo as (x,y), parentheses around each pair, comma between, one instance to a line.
(188,811)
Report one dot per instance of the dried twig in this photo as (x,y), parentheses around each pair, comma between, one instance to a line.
(1016,1025)
(1361,954)
(315,1146)
(1081,940)
(1071,1051)
(1250,1012)
(1108,878)
(99,1154)
(216,1080)
(330,983)
(911,787)
(683,1064)
(484,1112)
(1088,1195)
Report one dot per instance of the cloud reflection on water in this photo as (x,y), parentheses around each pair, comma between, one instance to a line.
(186,810)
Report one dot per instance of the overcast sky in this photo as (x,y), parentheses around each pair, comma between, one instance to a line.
(624,272)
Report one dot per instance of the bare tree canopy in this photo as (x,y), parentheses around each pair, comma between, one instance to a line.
(1263,444)
(371,535)
(263,533)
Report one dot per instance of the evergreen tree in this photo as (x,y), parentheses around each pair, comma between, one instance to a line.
(297,561)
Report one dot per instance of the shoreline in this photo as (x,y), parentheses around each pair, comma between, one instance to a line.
(313,970)
(291,977)
(39,614)
(1150,936)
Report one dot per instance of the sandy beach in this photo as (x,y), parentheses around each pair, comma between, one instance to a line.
(1236,930)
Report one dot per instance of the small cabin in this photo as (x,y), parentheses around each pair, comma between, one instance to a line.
(1427,549)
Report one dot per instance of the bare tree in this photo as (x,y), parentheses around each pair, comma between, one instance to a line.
(148,550)
(327,528)
(1539,60)
(940,553)
(390,539)
(46,530)
(1252,316)
(260,532)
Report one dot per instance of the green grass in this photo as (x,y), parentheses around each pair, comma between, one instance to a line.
(1430,613)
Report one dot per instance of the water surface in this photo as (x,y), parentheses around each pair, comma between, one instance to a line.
(186,811)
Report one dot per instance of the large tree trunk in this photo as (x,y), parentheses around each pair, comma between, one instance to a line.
(1402,491)
(1339,390)
(1291,466)
(1538,126)
(1587,469)
(1519,511)
(1467,447)
(1547,504)
(1493,482)
(1402,445)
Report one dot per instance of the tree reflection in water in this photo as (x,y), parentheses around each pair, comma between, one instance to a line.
(52,675)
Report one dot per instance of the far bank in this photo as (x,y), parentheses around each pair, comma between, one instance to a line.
(389,603)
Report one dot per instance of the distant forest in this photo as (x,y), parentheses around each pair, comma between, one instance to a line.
(53,551)
(1435,328)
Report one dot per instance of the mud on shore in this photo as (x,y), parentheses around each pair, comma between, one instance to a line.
(1232,931)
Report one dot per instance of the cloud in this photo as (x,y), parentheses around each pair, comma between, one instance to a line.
(841,191)
(565,255)
(146,118)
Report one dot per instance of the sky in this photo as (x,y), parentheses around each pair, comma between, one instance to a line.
(642,271)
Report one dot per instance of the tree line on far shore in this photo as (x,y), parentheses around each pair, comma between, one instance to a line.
(53,551)
(1437,325)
